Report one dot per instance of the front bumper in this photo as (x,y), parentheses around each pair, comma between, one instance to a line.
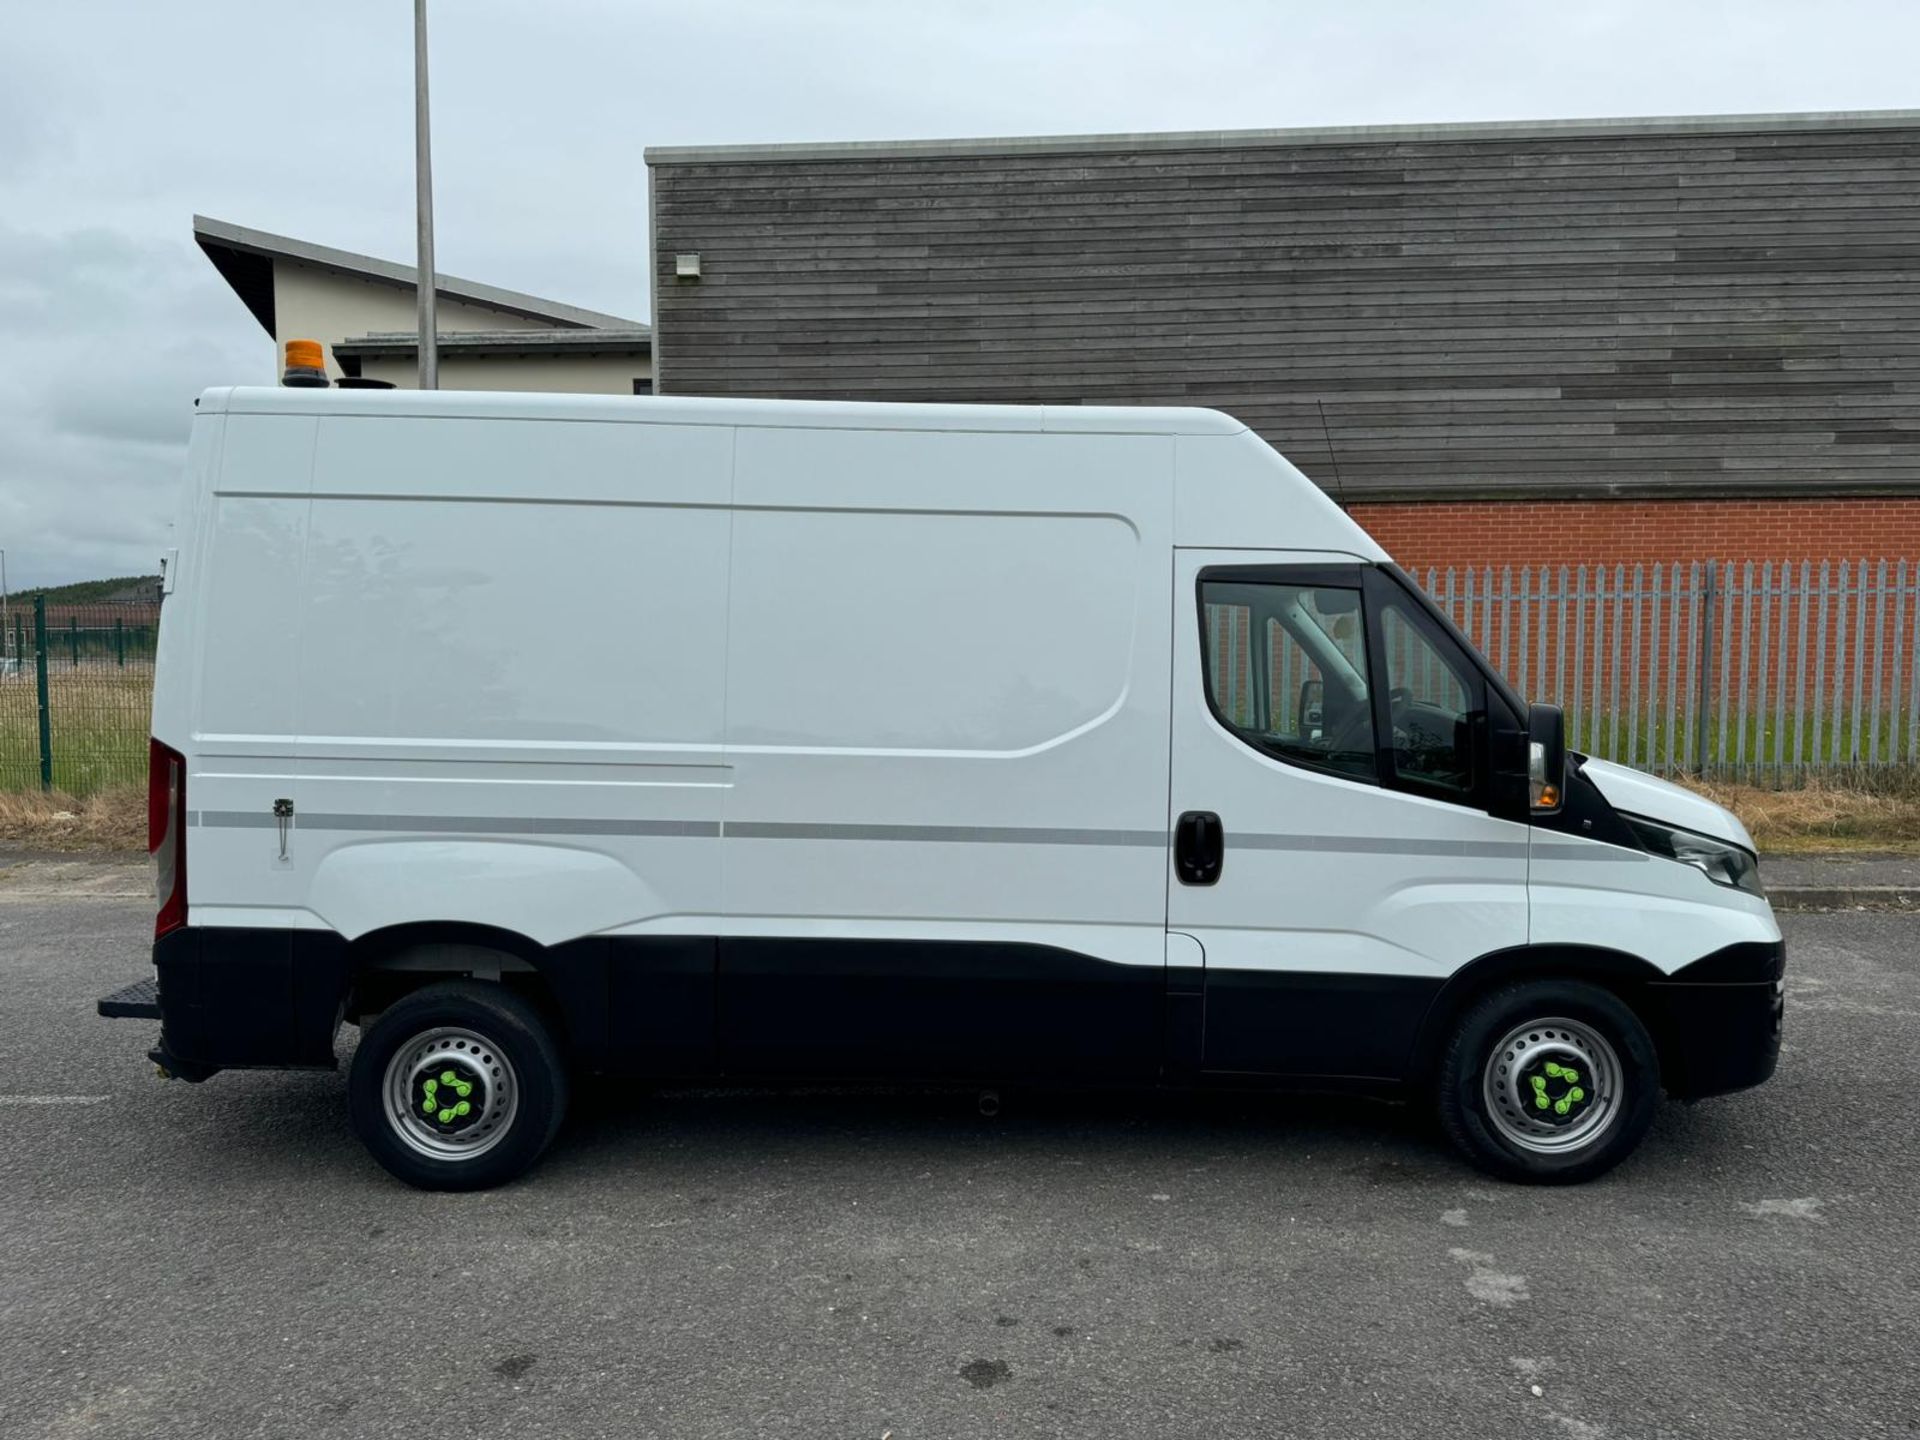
(1717,1022)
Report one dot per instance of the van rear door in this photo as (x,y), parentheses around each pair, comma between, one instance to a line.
(1334,857)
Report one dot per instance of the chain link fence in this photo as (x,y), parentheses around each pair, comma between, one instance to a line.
(76,694)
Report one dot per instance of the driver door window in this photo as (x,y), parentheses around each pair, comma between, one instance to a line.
(1287,672)
(1433,703)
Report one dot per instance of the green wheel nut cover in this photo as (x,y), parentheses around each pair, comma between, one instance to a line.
(1564,1102)
(444,1097)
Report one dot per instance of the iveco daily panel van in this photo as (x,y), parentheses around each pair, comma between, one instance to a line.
(552,736)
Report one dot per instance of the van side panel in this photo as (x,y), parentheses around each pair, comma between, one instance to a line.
(487,662)
(1238,492)
(947,722)
(245,601)
(510,685)
(444,664)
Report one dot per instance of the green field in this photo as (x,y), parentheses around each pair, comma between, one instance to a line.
(100,715)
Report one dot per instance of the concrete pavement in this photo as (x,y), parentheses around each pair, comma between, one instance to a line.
(223,1260)
(1842,882)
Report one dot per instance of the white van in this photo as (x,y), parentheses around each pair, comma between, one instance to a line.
(545,737)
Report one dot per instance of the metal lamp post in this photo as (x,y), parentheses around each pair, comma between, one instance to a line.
(429,343)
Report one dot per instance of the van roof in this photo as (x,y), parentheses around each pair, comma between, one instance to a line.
(689,410)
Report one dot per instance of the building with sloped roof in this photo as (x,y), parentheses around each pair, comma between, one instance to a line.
(362,310)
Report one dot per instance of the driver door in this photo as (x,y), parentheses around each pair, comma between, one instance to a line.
(1331,758)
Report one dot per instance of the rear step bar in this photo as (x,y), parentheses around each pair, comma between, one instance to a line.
(138,1001)
(141,1001)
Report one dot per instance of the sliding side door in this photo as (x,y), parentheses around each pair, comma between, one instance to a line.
(945,846)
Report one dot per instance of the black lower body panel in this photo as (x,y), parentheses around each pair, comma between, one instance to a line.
(1715,1039)
(987,1012)
(660,1005)
(937,1010)
(1310,1023)
(236,998)
(1717,1021)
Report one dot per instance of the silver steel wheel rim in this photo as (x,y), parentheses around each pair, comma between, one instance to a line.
(1512,1102)
(495,1097)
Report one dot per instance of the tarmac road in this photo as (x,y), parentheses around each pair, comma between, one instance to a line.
(223,1260)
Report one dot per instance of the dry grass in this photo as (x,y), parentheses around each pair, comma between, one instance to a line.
(110,819)
(1821,816)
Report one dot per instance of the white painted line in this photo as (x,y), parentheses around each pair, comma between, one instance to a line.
(53,1099)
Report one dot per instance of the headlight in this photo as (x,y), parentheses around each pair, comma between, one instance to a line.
(1721,862)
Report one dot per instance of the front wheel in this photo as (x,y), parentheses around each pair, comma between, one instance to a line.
(458,1086)
(1548,1081)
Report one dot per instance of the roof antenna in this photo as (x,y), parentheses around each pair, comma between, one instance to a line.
(1339,488)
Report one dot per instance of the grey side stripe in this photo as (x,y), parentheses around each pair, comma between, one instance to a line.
(676,828)
(232,819)
(459,824)
(1594,851)
(920,834)
(1372,845)
(683,829)
(944,834)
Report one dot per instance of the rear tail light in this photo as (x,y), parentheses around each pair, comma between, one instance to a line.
(167,835)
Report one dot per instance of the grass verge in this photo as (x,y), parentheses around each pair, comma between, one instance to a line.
(110,819)
(1821,817)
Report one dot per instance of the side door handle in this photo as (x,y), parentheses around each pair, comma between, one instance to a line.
(1199,847)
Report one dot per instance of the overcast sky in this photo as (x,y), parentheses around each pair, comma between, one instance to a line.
(119,119)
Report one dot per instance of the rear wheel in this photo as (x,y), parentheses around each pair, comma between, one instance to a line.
(458,1086)
(1549,1081)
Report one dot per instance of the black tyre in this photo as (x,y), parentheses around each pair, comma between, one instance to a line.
(459,1086)
(1548,1081)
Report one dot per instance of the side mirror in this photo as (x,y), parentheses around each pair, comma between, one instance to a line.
(1546,758)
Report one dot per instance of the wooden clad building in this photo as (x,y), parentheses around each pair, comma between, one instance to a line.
(1609,328)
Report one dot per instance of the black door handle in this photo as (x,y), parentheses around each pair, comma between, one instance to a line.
(1199,847)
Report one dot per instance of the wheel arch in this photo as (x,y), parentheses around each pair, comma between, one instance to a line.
(568,982)
(1624,974)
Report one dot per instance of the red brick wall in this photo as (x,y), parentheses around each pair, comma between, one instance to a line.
(1575,532)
